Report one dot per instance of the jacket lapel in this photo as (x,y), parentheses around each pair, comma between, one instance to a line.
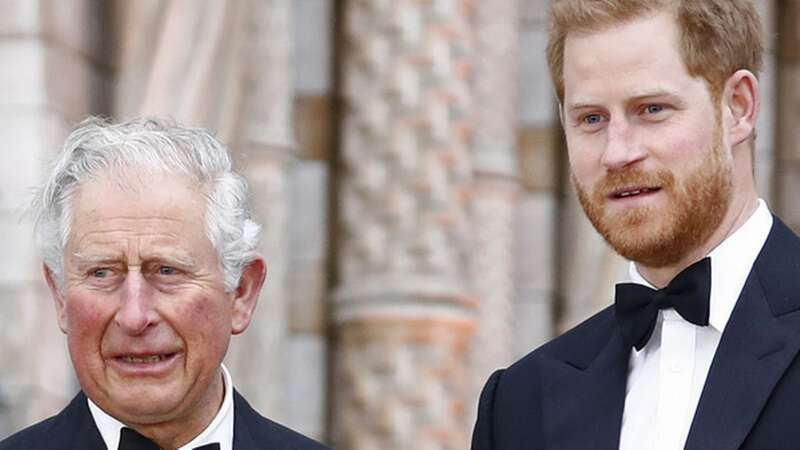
(242,412)
(74,428)
(758,345)
(583,389)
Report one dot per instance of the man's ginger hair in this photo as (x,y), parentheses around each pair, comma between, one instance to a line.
(717,37)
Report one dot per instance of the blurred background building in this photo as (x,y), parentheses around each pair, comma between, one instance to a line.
(406,160)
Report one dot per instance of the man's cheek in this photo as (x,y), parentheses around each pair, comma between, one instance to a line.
(83,317)
(201,313)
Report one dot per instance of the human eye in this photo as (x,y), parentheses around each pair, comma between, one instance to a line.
(656,112)
(591,119)
(167,270)
(591,122)
(164,275)
(103,276)
(654,109)
(101,272)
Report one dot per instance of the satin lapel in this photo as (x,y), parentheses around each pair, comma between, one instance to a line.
(759,343)
(242,437)
(583,397)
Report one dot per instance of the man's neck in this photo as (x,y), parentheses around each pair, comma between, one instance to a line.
(173,434)
(736,217)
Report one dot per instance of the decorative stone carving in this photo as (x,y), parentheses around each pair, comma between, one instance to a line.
(398,383)
(401,313)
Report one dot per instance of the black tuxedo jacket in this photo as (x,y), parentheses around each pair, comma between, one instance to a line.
(74,429)
(569,394)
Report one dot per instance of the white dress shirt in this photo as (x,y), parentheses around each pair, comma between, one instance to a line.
(666,378)
(220,430)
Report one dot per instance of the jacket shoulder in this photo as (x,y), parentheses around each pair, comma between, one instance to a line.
(580,344)
(577,347)
(510,409)
(31,437)
(71,428)
(252,430)
(777,267)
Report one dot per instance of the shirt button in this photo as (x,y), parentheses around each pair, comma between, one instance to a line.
(675,367)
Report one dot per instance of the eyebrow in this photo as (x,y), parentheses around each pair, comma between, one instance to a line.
(92,259)
(181,259)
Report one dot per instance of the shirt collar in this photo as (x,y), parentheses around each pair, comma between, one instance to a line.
(731,262)
(220,429)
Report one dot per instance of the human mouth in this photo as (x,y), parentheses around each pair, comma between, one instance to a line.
(626,193)
(147,364)
(145,359)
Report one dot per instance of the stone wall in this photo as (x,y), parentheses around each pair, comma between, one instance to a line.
(787,162)
(53,75)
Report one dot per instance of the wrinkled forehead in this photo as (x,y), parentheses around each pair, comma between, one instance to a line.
(141,198)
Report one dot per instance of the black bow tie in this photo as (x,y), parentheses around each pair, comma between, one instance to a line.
(129,439)
(637,306)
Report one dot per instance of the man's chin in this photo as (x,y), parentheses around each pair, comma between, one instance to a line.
(142,404)
(630,230)
(641,239)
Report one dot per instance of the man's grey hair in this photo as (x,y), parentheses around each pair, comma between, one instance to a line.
(154,145)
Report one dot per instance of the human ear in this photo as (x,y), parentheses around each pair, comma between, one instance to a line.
(741,101)
(245,296)
(58,298)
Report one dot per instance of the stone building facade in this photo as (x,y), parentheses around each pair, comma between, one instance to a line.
(407,165)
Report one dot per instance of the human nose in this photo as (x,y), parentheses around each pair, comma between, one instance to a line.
(136,313)
(621,149)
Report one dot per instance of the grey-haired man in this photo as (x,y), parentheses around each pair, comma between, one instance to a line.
(150,254)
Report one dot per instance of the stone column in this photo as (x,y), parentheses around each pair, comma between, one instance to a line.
(184,59)
(536,229)
(53,58)
(402,315)
(495,189)
(308,287)
(787,168)
(767,126)
(589,267)
(266,147)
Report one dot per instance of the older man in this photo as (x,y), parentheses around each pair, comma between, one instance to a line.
(150,254)
(658,100)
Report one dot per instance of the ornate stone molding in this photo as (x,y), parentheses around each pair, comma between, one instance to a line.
(401,307)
